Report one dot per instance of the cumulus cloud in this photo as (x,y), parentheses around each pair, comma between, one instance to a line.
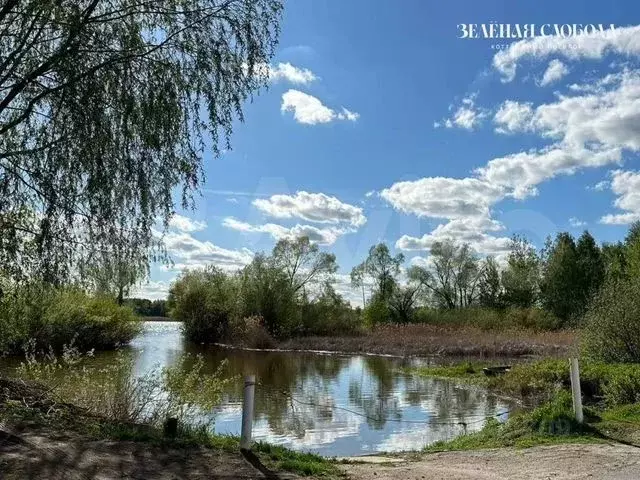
(321,236)
(520,173)
(312,207)
(153,290)
(290,73)
(626,185)
(576,222)
(622,41)
(467,116)
(514,117)
(188,252)
(309,110)
(554,72)
(443,197)
(471,231)
(186,224)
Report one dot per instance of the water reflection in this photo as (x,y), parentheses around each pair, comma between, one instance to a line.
(329,404)
(333,404)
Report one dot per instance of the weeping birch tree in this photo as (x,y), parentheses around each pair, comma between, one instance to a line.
(106,107)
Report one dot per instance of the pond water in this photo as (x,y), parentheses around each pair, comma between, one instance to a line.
(330,404)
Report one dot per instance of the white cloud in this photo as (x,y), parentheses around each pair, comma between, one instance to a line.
(554,72)
(370,193)
(185,224)
(623,41)
(190,252)
(601,186)
(467,116)
(626,185)
(321,236)
(153,290)
(471,231)
(443,197)
(576,222)
(286,71)
(522,172)
(312,207)
(309,110)
(514,117)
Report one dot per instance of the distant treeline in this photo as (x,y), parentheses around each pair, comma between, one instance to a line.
(147,308)
(568,283)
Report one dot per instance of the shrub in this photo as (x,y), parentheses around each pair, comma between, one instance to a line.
(51,318)
(611,331)
(205,301)
(88,322)
(250,332)
(376,311)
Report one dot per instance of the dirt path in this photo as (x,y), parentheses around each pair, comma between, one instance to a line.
(66,458)
(560,462)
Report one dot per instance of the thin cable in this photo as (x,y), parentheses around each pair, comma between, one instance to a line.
(378,419)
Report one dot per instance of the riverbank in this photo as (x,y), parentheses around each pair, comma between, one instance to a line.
(441,340)
(43,439)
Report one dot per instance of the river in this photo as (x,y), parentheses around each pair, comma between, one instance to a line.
(326,403)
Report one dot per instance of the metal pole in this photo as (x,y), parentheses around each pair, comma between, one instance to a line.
(247,412)
(575,389)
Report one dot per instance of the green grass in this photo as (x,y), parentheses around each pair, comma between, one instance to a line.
(467,371)
(306,464)
(611,393)
(551,423)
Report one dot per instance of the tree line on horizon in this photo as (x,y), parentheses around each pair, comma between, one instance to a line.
(291,292)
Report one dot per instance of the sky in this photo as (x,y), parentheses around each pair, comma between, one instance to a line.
(409,122)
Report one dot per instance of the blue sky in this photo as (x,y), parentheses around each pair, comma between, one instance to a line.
(381,124)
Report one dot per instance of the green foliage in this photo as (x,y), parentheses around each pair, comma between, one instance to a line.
(264,301)
(521,277)
(205,301)
(267,292)
(329,315)
(381,268)
(148,308)
(50,318)
(490,319)
(105,113)
(305,464)
(611,331)
(490,293)
(551,423)
(377,311)
(591,269)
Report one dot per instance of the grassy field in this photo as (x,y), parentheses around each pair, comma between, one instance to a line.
(445,340)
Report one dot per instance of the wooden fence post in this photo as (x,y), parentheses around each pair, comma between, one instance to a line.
(575,389)
(247,412)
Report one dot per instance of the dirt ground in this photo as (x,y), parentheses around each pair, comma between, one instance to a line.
(558,462)
(67,458)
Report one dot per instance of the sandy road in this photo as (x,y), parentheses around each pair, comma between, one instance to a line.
(558,462)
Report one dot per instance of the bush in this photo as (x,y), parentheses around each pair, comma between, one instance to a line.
(611,331)
(330,315)
(50,318)
(376,312)
(250,332)
(205,301)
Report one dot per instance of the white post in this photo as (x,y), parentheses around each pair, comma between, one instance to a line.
(247,412)
(575,388)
